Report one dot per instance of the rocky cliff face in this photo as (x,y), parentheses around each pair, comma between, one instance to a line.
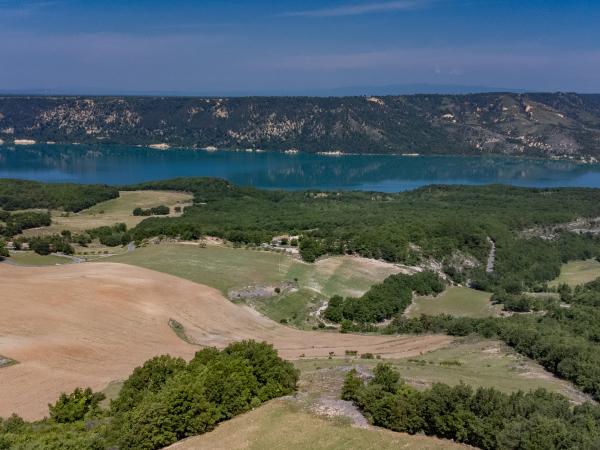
(552,125)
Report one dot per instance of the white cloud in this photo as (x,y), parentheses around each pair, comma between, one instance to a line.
(454,61)
(362,8)
(24,9)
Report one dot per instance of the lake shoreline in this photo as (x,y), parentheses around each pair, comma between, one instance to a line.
(115,164)
(29,143)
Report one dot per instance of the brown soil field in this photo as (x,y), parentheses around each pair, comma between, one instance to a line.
(89,324)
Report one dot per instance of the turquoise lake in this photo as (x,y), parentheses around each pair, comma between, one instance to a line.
(388,173)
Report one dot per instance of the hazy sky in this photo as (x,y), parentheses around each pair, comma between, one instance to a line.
(291,46)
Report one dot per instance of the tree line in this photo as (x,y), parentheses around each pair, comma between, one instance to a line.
(16,222)
(161,210)
(485,417)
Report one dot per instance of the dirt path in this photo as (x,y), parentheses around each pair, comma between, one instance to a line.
(89,324)
(489,268)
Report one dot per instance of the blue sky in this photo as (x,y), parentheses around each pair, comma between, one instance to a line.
(212,47)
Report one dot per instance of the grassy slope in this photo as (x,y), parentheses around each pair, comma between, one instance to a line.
(578,272)
(219,267)
(33,259)
(457,301)
(476,362)
(227,268)
(113,211)
(283,424)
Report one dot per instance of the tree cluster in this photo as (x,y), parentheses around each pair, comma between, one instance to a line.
(161,210)
(112,236)
(3,250)
(485,417)
(15,223)
(384,300)
(24,194)
(522,303)
(46,244)
(163,401)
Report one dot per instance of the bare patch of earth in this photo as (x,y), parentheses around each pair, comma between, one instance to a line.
(88,324)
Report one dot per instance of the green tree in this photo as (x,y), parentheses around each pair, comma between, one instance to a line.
(3,250)
(386,377)
(179,410)
(149,378)
(74,406)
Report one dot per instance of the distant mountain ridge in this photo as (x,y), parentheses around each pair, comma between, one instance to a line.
(352,90)
(533,124)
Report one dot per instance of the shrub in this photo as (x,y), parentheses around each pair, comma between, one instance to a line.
(149,378)
(178,410)
(75,406)
(3,250)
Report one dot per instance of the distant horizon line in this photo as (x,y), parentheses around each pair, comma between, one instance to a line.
(343,91)
(232,95)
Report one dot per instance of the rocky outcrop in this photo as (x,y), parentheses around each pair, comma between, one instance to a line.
(550,125)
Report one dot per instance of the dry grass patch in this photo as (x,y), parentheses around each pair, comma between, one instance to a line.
(231,269)
(456,301)
(28,258)
(227,268)
(578,272)
(475,361)
(283,424)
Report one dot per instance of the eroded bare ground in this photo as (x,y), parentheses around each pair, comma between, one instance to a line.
(320,392)
(90,324)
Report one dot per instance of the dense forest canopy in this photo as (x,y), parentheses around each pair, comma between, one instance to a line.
(24,194)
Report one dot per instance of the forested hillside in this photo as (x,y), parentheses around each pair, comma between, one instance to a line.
(534,124)
(448,224)
(445,225)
